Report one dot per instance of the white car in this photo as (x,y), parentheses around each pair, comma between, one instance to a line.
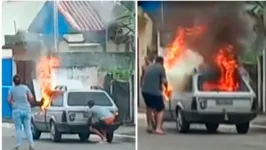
(69,113)
(212,108)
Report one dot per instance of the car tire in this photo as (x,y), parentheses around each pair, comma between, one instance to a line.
(242,128)
(54,133)
(36,134)
(212,127)
(109,136)
(182,126)
(84,136)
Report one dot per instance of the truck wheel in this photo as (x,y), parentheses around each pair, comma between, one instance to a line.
(212,127)
(242,128)
(36,134)
(84,136)
(54,133)
(182,125)
(109,136)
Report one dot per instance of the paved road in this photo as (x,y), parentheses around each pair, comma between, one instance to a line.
(69,142)
(199,139)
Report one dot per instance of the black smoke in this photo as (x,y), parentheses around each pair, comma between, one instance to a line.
(223,23)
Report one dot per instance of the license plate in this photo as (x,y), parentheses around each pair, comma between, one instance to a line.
(79,116)
(224,102)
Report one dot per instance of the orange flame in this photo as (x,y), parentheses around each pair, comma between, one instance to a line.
(176,49)
(167,92)
(228,68)
(46,77)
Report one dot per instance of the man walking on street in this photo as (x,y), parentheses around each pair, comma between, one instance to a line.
(152,92)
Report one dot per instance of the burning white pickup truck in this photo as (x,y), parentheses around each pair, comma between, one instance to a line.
(204,102)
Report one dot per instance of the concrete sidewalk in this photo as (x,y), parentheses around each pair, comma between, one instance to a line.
(260,120)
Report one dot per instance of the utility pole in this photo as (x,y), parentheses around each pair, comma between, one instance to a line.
(264,62)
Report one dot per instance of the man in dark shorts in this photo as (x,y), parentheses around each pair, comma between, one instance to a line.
(152,92)
(105,118)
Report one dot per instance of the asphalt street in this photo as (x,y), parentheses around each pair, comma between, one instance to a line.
(69,142)
(198,139)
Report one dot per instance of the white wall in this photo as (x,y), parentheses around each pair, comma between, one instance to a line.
(6,53)
(145,41)
(87,47)
(88,76)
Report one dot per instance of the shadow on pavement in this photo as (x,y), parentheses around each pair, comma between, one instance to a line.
(198,132)
(74,141)
(203,131)
(67,141)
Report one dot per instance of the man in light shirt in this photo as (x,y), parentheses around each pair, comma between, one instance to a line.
(105,118)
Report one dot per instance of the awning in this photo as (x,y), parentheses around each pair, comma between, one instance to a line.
(72,17)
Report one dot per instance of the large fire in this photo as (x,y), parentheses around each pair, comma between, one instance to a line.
(46,77)
(178,47)
(227,64)
(178,53)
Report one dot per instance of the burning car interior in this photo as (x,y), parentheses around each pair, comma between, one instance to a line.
(211,81)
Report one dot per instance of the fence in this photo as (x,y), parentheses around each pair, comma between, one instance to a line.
(123,94)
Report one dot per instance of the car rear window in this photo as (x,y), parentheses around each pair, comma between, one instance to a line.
(209,77)
(82,98)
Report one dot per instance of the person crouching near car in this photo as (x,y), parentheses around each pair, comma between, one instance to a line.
(105,118)
(19,97)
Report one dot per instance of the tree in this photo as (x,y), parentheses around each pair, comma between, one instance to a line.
(122,30)
(257,10)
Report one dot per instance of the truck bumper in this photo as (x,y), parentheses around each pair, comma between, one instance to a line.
(214,117)
(72,129)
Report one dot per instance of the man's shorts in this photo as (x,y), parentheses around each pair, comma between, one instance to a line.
(153,101)
(100,125)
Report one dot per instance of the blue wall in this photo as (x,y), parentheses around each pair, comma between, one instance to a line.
(150,6)
(7,74)
(44,22)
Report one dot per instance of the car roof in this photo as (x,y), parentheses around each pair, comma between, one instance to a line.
(84,90)
(81,90)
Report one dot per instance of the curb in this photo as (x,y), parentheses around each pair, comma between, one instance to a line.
(8,125)
(258,126)
(121,136)
(124,137)
(141,115)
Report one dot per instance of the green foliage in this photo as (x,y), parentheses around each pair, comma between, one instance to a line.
(249,57)
(121,74)
(130,5)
